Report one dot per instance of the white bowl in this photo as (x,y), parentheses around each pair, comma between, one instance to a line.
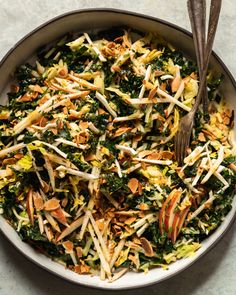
(92,20)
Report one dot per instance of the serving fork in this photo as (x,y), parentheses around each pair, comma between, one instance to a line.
(203,49)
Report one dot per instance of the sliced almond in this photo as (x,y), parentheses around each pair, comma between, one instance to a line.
(83,125)
(193,75)
(167,155)
(90,157)
(201,137)
(60,216)
(82,269)
(122,130)
(176,83)
(100,224)
(143,154)
(154,156)
(9,161)
(36,88)
(232,166)
(158,73)
(25,98)
(79,252)
(130,220)
(147,247)
(140,188)
(152,93)
(4,116)
(68,245)
(18,156)
(135,260)
(133,185)
(52,204)
(45,187)
(163,86)
(38,201)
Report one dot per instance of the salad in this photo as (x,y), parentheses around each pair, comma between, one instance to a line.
(88,175)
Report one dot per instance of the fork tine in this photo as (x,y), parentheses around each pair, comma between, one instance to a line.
(182,147)
(177,146)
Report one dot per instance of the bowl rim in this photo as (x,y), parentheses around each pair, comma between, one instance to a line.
(143,16)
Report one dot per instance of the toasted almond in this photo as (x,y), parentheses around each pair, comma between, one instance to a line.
(43,122)
(101,111)
(90,157)
(143,154)
(100,224)
(226,120)
(18,156)
(167,155)
(60,216)
(25,98)
(60,124)
(83,125)
(82,269)
(122,130)
(135,260)
(133,185)
(158,73)
(36,88)
(110,126)
(152,93)
(52,204)
(201,137)
(143,207)
(4,116)
(82,137)
(9,161)
(45,187)
(147,247)
(115,68)
(138,137)
(163,86)
(43,99)
(63,72)
(154,156)
(38,201)
(79,252)
(140,188)
(210,134)
(176,83)
(68,245)
(232,166)
(194,76)
(130,220)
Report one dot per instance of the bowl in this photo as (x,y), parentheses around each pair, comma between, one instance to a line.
(93,21)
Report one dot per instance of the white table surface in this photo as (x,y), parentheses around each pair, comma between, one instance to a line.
(215,273)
